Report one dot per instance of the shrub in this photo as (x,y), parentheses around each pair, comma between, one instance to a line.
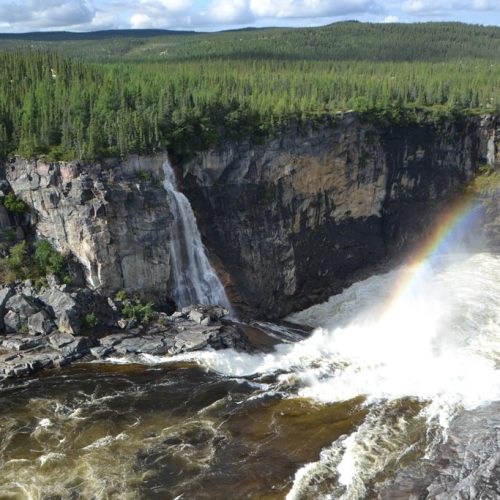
(14,204)
(143,313)
(121,295)
(90,321)
(10,235)
(34,262)
(18,256)
(48,259)
(144,176)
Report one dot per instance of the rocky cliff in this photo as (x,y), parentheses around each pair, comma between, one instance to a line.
(287,222)
(113,217)
(303,215)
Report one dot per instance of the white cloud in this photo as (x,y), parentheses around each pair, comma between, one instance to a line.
(228,12)
(29,15)
(310,8)
(25,15)
(140,21)
(440,7)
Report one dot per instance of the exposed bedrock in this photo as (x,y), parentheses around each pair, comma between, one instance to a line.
(287,222)
(114,218)
(300,217)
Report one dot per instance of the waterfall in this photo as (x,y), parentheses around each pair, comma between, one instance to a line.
(194,280)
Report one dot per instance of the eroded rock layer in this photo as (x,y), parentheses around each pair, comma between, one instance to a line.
(301,216)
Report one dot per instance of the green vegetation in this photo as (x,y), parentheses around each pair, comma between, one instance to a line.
(98,95)
(90,321)
(121,295)
(134,308)
(139,311)
(35,262)
(487,180)
(14,204)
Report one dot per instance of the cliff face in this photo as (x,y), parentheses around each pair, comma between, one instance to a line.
(300,217)
(287,222)
(114,218)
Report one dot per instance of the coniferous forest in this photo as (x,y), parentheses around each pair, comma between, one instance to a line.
(108,94)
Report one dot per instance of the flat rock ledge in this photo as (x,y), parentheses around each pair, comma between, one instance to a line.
(194,328)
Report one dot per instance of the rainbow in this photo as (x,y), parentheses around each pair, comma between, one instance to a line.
(455,219)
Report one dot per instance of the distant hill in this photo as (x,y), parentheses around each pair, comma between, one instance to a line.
(343,41)
(56,36)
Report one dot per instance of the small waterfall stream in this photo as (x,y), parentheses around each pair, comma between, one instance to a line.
(194,280)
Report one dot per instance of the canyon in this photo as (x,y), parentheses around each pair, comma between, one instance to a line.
(286,222)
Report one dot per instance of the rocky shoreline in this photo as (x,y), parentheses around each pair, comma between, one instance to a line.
(55,336)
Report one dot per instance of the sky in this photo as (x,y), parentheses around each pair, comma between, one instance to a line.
(212,15)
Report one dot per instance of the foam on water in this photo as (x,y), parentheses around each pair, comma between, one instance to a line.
(439,344)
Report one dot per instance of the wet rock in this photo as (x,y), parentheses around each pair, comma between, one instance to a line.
(100,352)
(142,345)
(194,338)
(197,312)
(40,323)
(196,316)
(113,339)
(466,466)
(231,337)
(75,349)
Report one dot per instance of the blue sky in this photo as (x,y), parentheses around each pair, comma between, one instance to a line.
(209,15)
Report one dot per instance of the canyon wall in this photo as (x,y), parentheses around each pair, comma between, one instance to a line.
(112,217)
(301,216)
(287,222)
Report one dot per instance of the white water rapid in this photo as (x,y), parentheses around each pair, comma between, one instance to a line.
(194,280)
(438,347)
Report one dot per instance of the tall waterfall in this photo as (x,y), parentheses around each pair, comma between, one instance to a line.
(193,278)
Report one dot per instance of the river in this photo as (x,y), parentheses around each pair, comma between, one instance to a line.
(372,391)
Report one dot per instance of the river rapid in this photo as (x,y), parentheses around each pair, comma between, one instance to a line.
(373,391)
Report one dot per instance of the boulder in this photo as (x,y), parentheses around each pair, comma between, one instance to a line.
(196,316)
(76,349)
(231,337)
(216,312)
(205,321)
(177,315)
(60,339)
(16,343)
(23,305)
(122,323)
(40,323)
(101,352)
(64,309)
(12,322)
(197,312)
(5,294)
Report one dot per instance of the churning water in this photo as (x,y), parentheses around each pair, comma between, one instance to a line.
(371,391)
(438,346)
(194,280)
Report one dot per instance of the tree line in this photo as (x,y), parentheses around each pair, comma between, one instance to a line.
(68,107)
